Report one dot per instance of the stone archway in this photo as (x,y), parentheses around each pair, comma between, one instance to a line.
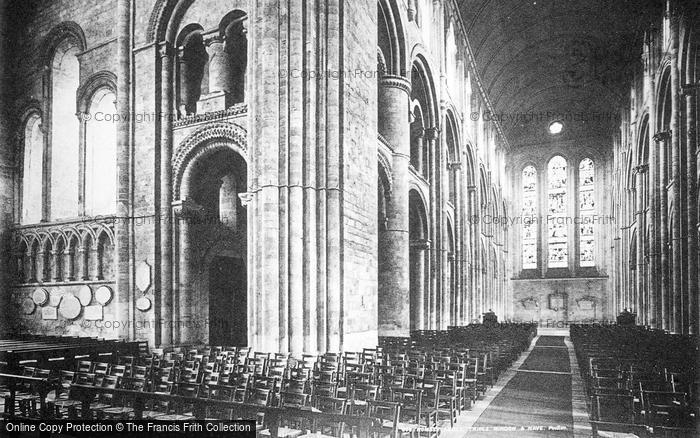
(210,237)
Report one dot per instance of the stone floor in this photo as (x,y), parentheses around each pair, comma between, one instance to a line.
(540,395)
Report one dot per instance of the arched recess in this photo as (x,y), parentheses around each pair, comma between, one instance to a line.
(191,69)
(211,235)
(424,116)
(418,261)
(391,39)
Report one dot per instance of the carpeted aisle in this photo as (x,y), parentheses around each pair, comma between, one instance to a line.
(537,400)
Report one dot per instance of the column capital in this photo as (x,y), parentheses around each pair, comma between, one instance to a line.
(455,165)
(420,244)
(392,81)
(432,133)
(471,188)
(215,39)
(166,50)
(82,116)
(689,90)
(662,136)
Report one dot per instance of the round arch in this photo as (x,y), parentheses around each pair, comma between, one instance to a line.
(201,143)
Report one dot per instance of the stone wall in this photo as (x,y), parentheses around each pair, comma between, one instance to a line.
(558,302)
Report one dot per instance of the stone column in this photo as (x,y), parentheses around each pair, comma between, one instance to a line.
(661,138)
(394,280)
(641,234)
(692,207)
(219,66)
(70,264)
(164,334)
(418,135)
(473,203)
(458,231)
(55,265)
(82,117)
(97,269)
(679,323)
(432,135)
(84,257)
(122,228)
(653,215)
(30,269)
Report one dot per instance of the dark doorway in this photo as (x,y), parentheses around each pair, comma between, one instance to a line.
(228,323)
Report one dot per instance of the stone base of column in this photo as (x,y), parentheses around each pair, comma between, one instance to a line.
(216,101)
(394,299)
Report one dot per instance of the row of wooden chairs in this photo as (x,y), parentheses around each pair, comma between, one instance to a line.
(634,384)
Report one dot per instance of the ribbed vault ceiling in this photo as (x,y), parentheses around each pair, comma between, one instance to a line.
(545,59)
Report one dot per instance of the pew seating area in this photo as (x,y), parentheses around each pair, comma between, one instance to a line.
(61,352)
(638,380)
(405,386)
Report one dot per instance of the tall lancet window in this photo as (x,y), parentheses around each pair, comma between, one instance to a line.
(529,213)
(32,171)
(65,78)
(556,213)
(586,175)
(101,156)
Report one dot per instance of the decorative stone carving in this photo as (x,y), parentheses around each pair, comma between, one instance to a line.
(49,313)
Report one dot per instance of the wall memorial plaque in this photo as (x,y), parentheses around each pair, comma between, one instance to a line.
(40,296)
(85,295)
(143,276)
(103,295)
(93,313)
(70,307)
(49,313)
(28,306)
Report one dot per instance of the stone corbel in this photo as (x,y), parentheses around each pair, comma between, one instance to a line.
(642,168)
(662,136)
(246,198)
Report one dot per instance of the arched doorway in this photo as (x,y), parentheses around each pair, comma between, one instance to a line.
(212,238)
(418,262)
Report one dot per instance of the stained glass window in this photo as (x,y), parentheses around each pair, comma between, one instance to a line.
(556,213)
(586,175)
(529,213)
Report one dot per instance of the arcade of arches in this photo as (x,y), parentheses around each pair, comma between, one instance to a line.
(301,176)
